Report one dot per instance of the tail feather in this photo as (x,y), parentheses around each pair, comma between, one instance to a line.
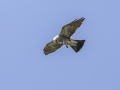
(79,45)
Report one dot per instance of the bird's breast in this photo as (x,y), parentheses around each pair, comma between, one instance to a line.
(62,39)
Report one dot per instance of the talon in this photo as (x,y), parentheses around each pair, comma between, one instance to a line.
(66,46)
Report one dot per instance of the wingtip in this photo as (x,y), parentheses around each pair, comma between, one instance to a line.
(82,19)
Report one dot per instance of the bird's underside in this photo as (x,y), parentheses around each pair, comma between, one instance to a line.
(64,38)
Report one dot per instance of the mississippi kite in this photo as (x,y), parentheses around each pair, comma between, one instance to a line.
(64,38)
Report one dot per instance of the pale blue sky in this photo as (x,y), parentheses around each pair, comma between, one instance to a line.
(26,26)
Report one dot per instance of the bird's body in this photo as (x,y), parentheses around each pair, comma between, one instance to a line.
(61,40)
(64,38)
(65,41)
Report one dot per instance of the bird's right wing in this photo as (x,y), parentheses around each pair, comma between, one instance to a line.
(69,29)
(51,47)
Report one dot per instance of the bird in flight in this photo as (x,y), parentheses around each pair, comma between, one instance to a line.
(64,38)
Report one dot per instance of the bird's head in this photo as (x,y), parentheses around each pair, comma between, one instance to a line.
(56,38)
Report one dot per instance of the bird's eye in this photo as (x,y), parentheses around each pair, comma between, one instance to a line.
(56,41)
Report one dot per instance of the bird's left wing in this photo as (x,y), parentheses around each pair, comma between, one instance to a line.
(51,47)
(69,29)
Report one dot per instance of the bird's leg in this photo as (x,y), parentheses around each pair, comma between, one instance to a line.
(64,42)
(66,46)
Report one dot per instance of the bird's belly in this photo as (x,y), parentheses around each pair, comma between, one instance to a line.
(64,40)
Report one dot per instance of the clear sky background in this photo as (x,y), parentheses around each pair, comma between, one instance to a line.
(26,26)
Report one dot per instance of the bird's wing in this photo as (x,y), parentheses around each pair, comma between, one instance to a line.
(51,47)
(69,29)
